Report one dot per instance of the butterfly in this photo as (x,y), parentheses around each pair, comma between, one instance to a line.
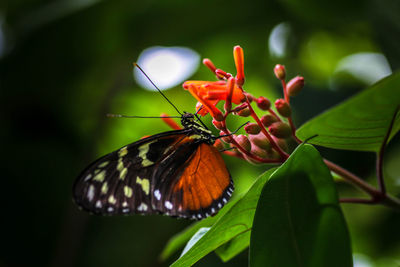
(177,173)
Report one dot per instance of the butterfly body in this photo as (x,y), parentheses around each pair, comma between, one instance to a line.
(177,173)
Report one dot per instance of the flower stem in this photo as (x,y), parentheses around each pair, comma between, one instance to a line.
(377,196)
(381,153)
(283,154)
(274,114)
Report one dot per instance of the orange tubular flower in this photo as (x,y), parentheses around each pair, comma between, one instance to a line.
(208,105)
(170,122)
(210,93)
(239,62)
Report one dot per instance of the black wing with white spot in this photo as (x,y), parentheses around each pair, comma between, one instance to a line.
(123,182)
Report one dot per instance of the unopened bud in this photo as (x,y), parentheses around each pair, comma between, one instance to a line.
(280,129)
(222,74)
(209,64)
(217,115)
(226,139)
(219,145)
(243,141)
(280,71)
(268,119)
(252,161)
(252,128)
(260,140)
(217,124)
(281,143)
(263,103)
(244,112)
(249,96)
(283,108)
(273,154)
(262,153)
(295,85)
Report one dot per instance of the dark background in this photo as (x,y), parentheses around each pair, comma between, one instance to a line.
(65,64)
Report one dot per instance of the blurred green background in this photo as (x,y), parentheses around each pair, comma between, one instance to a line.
(65,64)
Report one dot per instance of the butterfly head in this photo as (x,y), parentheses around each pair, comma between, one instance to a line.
(188,122)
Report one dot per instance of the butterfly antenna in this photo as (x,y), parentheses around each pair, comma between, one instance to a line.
(148,78)
(198,118)
(140,117)
(225,135)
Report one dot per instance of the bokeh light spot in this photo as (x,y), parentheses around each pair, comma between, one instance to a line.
(167,67)
(278,39)
(367,67)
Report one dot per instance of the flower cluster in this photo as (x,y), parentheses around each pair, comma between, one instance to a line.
(265,140)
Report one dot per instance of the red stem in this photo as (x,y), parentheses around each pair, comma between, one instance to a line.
(293,128)
(287,99)
(244,151)
(275,146)
(381,153)
(274,114)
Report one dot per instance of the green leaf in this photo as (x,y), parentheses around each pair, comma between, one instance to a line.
(235,246)
(236,221)
(298,221)
(359,123)
(179,240)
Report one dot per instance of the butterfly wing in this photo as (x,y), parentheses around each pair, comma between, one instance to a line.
(120,182)
(199,188)
(174,173)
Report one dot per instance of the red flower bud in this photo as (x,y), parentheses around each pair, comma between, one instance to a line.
(243,141)
(244,112)
(280,71)
(239,62)
(283,108)
(281,143)
(295,85)
(273,154)
(217,124)
(262,153)
(209,64)
(222,74)
(263,103)
(280,129)
(260,140)
(249,96)
(219,145)
(226,139)
(252,161)
(252,128)
(268,119)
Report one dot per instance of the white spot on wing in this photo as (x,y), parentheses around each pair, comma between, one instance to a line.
(98,204)
(157,194)
(90,193)
(168,205)
(142,207)
(87,177)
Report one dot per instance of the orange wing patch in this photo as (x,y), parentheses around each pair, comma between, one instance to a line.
(204,180)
